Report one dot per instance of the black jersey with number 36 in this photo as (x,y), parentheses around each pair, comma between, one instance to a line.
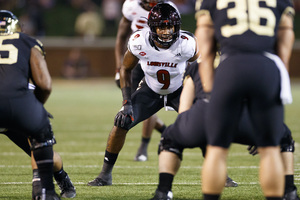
(249,25)
(15,66)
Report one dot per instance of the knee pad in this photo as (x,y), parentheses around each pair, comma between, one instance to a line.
(44,138)
(167,145)
(287,144)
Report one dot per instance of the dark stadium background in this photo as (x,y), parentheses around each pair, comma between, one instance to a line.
(55,23)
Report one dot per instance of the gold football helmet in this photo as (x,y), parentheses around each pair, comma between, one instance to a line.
(9,23)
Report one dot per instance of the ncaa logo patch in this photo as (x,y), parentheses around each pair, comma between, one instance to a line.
(137,47)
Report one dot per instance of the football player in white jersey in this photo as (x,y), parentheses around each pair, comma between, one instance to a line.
(163,51)
(135,14)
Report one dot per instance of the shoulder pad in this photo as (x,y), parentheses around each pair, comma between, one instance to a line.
(136,38)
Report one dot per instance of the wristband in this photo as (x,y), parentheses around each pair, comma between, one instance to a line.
(126,93)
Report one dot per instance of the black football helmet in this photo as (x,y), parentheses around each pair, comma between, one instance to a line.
(9,23)
(149,4)
(164,16)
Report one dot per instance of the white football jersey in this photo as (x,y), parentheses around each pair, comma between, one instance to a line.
(133,11)
(163,68)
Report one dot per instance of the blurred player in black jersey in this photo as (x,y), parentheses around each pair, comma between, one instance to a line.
(60,175)
(255,41)
(188,131)
(22,59)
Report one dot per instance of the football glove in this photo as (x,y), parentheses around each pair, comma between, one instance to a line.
(124,117)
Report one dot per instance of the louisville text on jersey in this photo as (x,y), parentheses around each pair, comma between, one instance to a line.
(162,64)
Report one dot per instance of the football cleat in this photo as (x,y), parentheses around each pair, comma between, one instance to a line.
(51,195)
(291,195)
(230,183)
(99,182)
(36,188)
(141,158)
(67,189)
(162,195)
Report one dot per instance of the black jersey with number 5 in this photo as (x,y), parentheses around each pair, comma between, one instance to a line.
(15,69)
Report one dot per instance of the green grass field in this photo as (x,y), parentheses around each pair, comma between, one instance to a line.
(83,116)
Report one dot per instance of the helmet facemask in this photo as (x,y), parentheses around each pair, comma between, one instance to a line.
(164,22)
(165,35)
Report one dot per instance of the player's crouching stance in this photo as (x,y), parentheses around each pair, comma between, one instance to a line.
(188,132)
(60,175)
(22,59)
(135,13)
(67,189)
(163,52)
(287,148)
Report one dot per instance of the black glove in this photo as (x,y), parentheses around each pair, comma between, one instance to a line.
(252,150)
(124,117)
